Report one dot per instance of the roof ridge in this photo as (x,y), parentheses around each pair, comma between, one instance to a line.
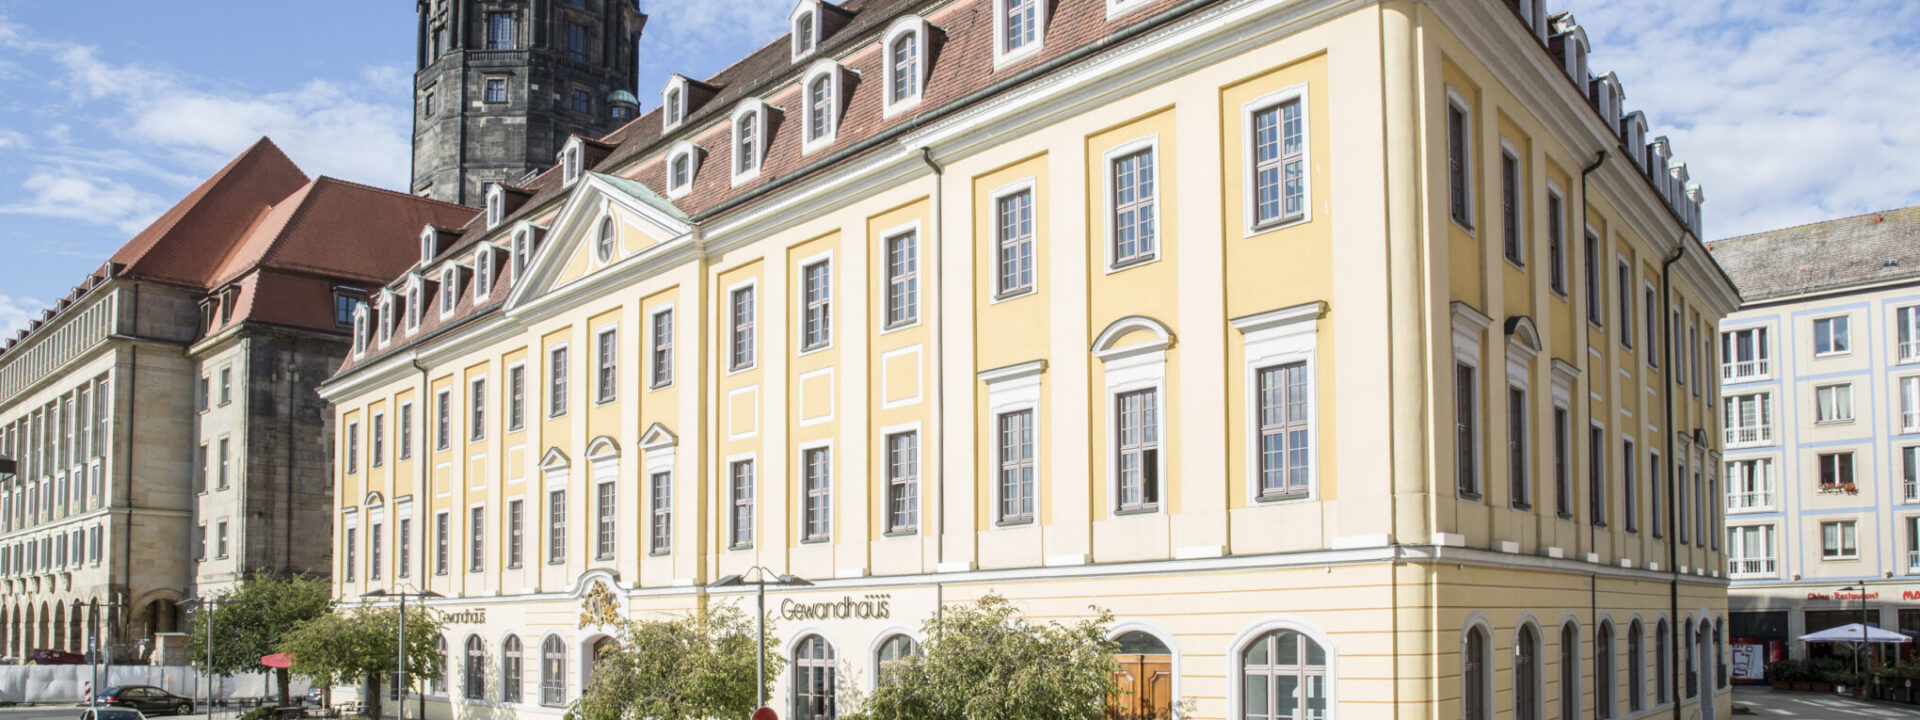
(1828,221)
(395,193)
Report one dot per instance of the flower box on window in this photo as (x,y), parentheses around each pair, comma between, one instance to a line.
(1839,488)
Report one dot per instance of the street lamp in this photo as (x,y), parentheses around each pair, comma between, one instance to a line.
(1863,621)
(760,602)
(93,644)
(400,675)
(206,604)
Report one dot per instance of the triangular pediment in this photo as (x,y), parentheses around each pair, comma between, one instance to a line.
(643,224)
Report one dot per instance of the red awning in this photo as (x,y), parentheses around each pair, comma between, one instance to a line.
(277,660)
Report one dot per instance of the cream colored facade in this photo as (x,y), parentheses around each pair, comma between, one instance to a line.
(1371,295)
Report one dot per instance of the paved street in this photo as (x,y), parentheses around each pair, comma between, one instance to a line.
(1813,706)
(72,712)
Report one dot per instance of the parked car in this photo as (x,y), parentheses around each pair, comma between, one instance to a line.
(145,698)
(111,713)
(316,696)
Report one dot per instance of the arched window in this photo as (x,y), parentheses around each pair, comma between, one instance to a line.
(1661,651)
(1474,676)
(439,684)
(814,679)
(1636,667)
(820,108)
(553,672)
(1144,687)
(510,677)
(746,143)
(1720,652)
(905,57)
(1569,671)
(1526,673)
(475,681)
(1693,675)
(604,248)
(601,649)
(1603,678)
(1284,676)
(522,252)
(898,647)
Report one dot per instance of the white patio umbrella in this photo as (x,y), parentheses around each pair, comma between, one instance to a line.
(1856,633)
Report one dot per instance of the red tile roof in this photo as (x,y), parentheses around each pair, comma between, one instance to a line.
(185,246)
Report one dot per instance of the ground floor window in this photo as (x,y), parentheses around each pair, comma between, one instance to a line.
(553,672)
(510,677)
(1283,677)
(1143,689)
(815,678)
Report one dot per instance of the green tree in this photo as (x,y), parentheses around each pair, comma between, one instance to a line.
(684,667)
(360,643)
(983,661)
(251,619)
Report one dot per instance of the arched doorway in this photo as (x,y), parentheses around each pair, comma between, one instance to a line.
(597,652)
(1704,649)
(1143,687)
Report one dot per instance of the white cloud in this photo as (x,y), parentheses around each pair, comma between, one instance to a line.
(1786,113)
(64,192)
(16,312)
(678,30)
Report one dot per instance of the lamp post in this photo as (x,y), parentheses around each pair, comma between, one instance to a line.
(1863,622)
(400,674)
(206,605)
(93,646)
(760,618)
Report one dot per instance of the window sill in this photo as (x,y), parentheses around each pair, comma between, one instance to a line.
(1282,497)
(1281,223)
(1133,262)
(598,402)
(902,325)
(815,540)
(1468,495)
(1013,522)
(1517,263)
(1837,421)
(1521,506)
(1001,297)
(660,553)
(809,350)
(1461,223)
(737,369)
(660,385)
(736,548)
(901,533)
(1834,353)
(1144,510)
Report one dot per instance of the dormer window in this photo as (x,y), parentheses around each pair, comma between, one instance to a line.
(482,273)
(749,140)
(906,60)
(570,161)
(806,30)
(1019,28)
(683,162)
(823,105)
(428,242)
(359,329)
(603,247)
(496,205)
(414,290)
(449,291)
(386,320)
(672,105)
(521,252)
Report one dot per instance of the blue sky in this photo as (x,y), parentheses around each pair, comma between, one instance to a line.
(1789,111)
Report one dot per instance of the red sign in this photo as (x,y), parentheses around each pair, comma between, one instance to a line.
(1910,595)
(765,713)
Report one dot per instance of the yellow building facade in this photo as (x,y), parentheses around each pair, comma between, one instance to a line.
(1270,326)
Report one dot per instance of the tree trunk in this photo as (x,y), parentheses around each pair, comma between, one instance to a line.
(373,696)
(280,675)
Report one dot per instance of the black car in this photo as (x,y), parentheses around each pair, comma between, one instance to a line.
(145,698)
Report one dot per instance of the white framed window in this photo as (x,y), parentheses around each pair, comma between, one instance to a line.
(1623,294)
(805,24)
(376,441)
(1629,486)
(1836,469)
(816,304)
(1830,336)
(683,165)
(403,427)
(1598,481)
(1907,334)
(1014,222)
(1743,355)
(496,204)
(904,47)
(1590,272)
(353,448)
(477,538)
(1459,159)
(477,409)
(1019,29)
(416,302)
(816,487)
(1116,8)
(449,292)
(1013,401)
(429,245)
(902,464)
(557,380)
(516,396)
(1650,308)
(521,254)
(1750,486)
(359,343)
(901,248)
(1135,380)
(749,139)
(1839,540)
(740,326)
(1909,404)
(673,103)
(1277,190)
(482,273)
(606,507)
(386,318)
(1748,419)
(1469,331)
(606,241)
(1282,410)
(606,365)
(570,161)
(1833,403)
(740,503)
(1132,199)
(443,420)
(820,99)
(661,356)
(1513,212)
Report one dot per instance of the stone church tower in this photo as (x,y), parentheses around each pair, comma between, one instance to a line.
(501,84)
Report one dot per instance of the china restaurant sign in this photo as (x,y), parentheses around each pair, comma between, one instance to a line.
(866,607)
